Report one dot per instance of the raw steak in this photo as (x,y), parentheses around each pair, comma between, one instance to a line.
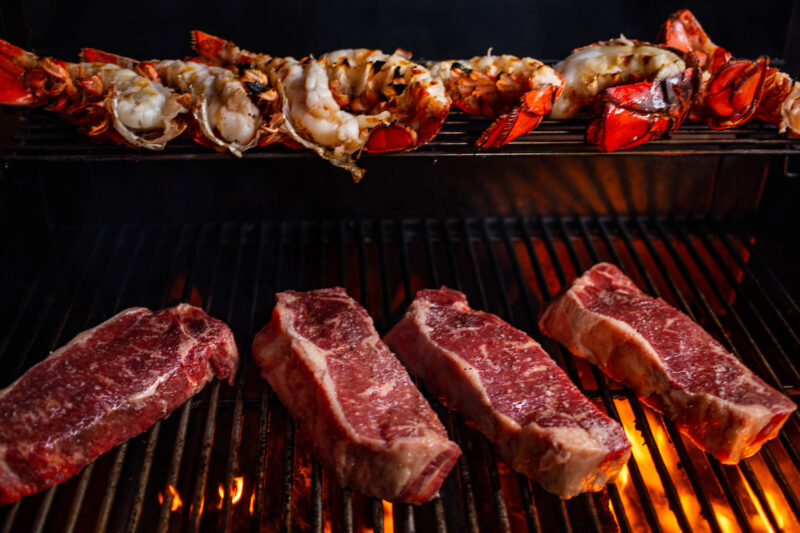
(106,385)
(367,421)
(673,364)
(503,383)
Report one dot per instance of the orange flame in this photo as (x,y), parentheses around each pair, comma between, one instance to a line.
(759,509)
(252,502)
(722,510)
(777,509)
(388,517)
(177,503)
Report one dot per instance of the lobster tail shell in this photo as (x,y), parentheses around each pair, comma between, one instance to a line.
(14,62)
(780,102)
(683,32)
(93,55)
(218,50)
(533,106)
(734,93)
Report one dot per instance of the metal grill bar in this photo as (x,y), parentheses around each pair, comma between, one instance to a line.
(488,454)
(760,291)
(446,416)
(756,255)
(742,295)
(80,493)
(642,423)
(708,512)
(265,407)
(44,137)
(743,466)
(46,503)
(317,475)
(715,465)
(121,452)
(183,425)
(49,299)
(152,435)
(633,467)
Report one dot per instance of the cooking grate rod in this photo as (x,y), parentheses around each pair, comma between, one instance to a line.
(760,290)
(404,512)
(753,248)
(716,467)
(80,493)
(649,509)
(121,452)
(743,466)
(688,466)
(448,418)
(43,137)
(766,453)
(743,296)
(642,422)
(135,509)
(47,500)
(487,452)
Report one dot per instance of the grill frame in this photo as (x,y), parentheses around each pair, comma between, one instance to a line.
(465,253)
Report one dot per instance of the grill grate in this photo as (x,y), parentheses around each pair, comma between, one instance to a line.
(44,137)
(231,458)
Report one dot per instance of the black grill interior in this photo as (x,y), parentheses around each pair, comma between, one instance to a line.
(715,271)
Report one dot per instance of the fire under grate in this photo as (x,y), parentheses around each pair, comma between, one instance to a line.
(231,459)
(44,137)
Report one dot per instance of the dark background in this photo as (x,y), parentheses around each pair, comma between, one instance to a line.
(547,29)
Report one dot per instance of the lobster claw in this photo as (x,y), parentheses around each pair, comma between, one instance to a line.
(639,112)
(533,106)
(734,92)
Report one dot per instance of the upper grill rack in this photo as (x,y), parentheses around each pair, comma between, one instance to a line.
(44,137)
(712,271)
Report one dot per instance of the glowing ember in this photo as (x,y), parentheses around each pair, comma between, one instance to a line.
(236,491)
(177,503)
(252,502)
(388,517)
